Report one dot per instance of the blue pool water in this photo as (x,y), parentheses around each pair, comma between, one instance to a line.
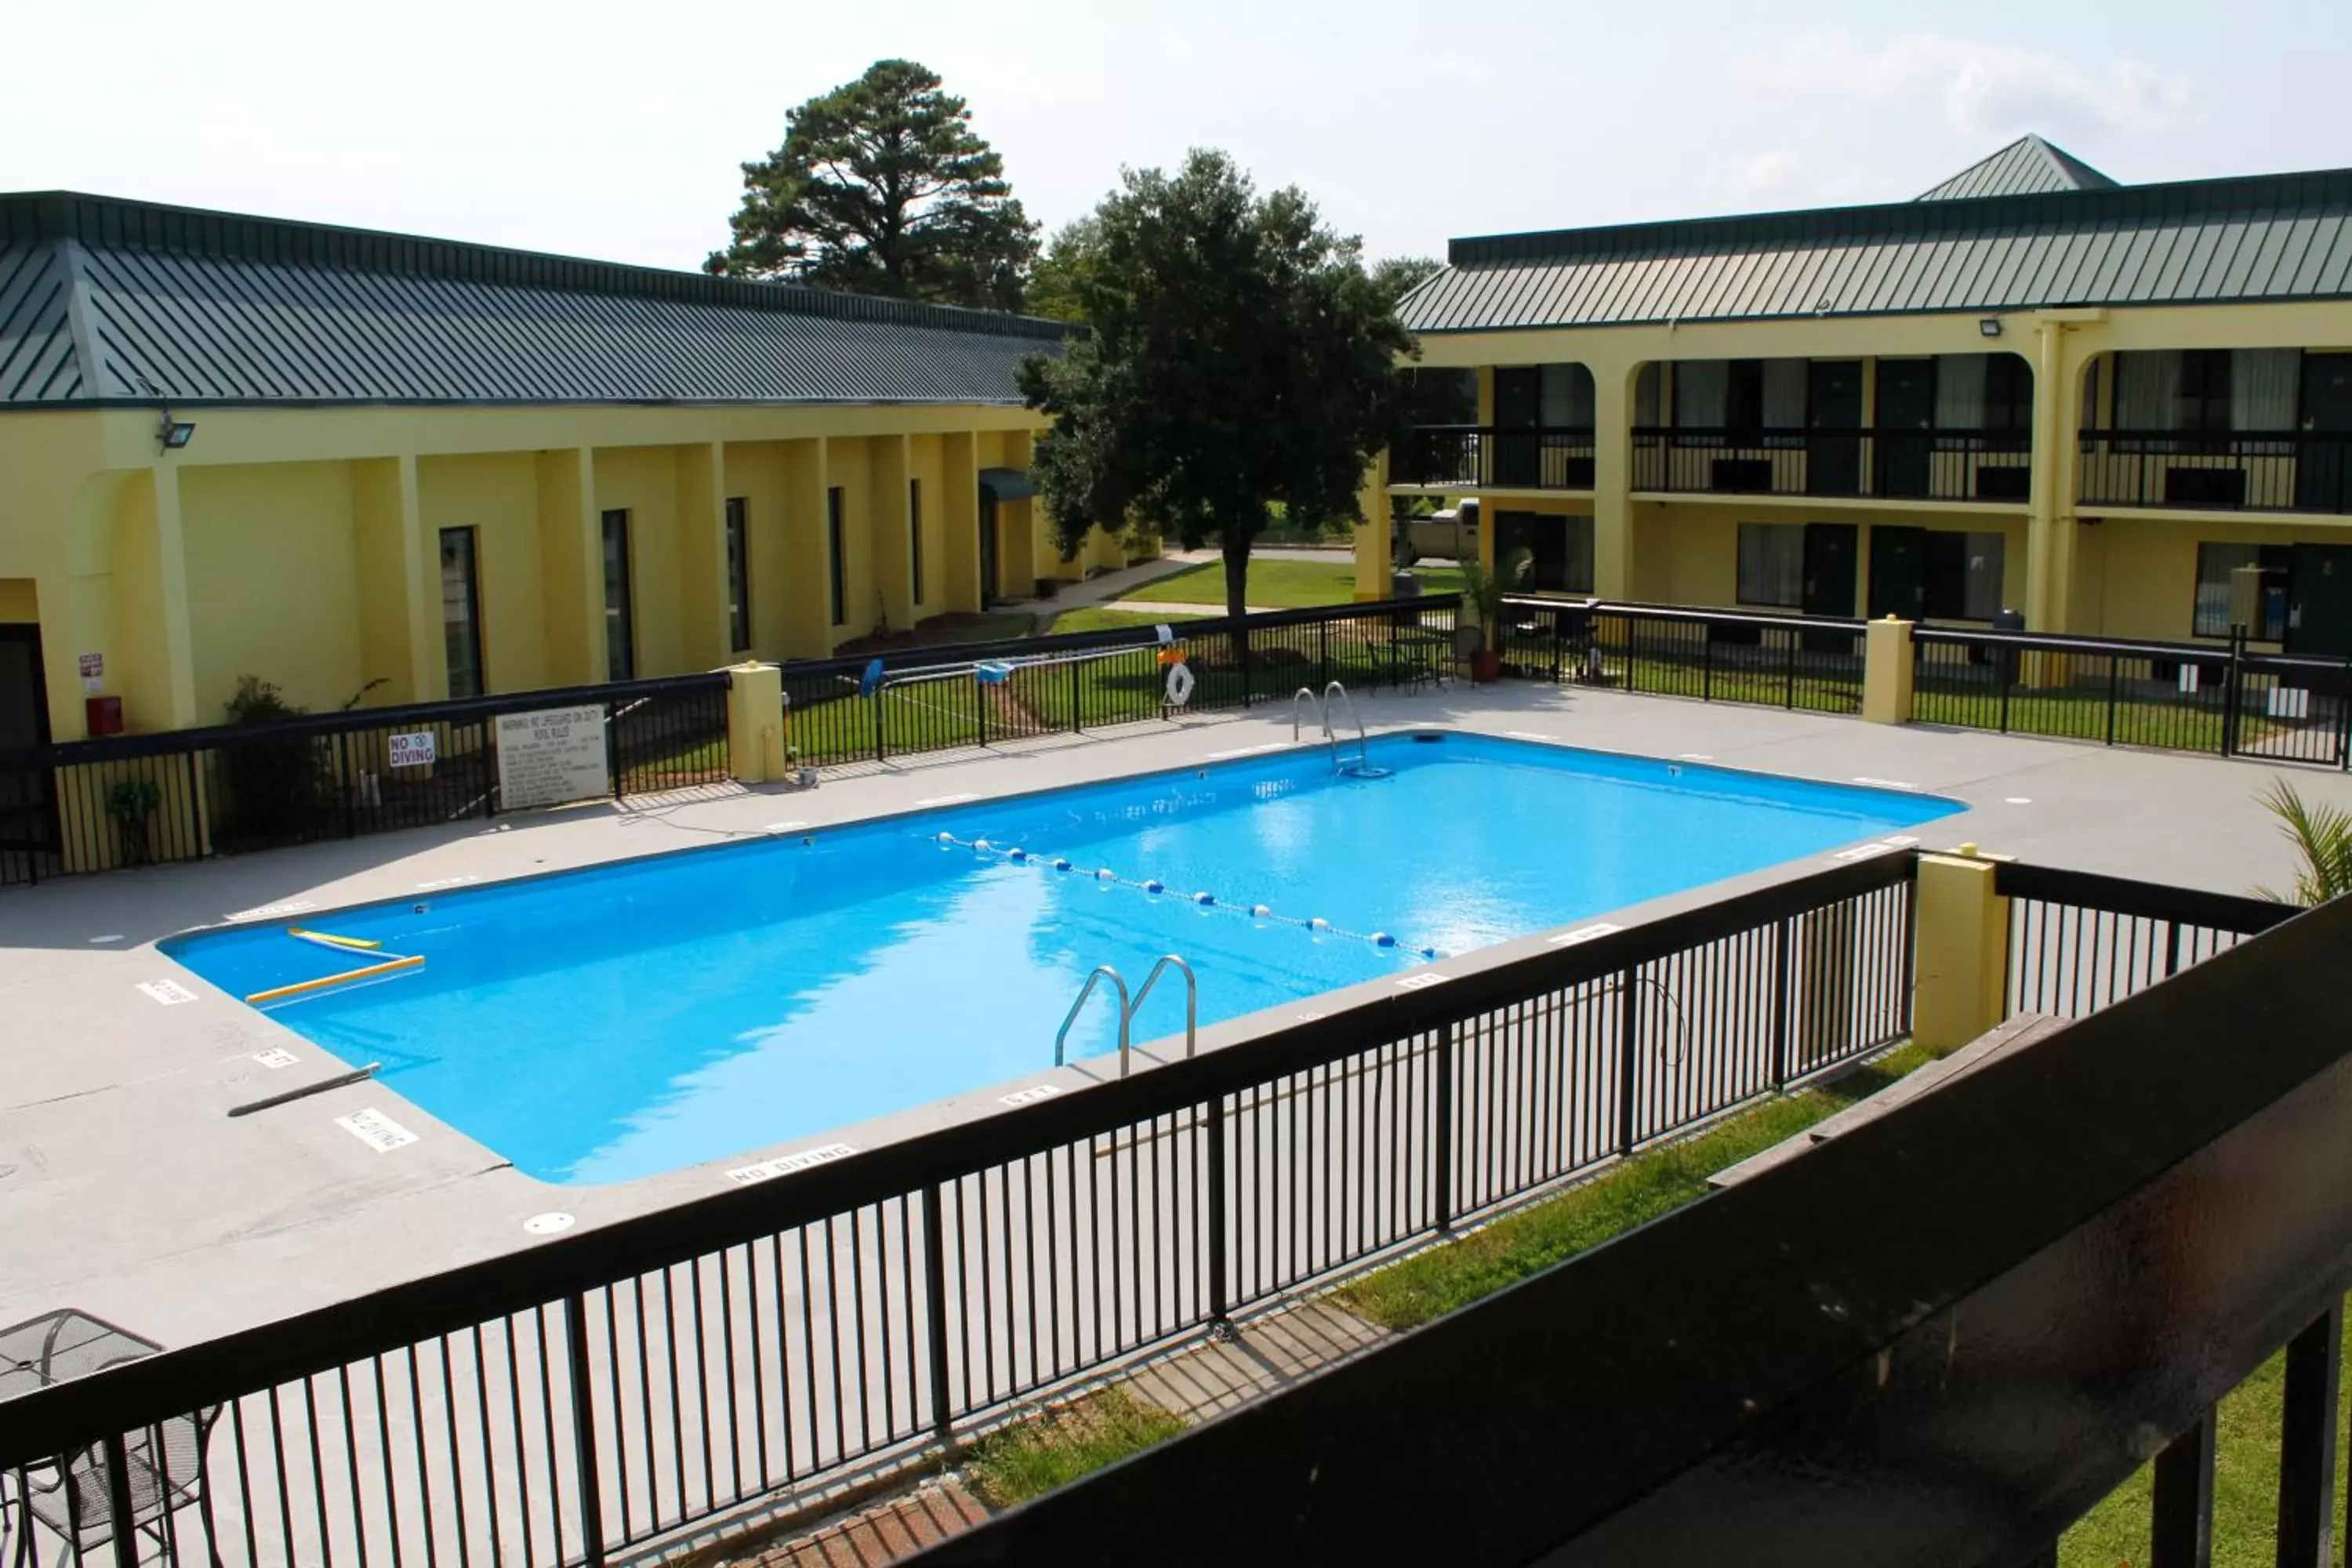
(607,1023)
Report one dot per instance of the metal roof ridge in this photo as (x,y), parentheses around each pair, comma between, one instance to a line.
(118,223)
(1910,218)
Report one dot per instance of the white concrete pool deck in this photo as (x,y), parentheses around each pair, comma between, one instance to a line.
(126,1189)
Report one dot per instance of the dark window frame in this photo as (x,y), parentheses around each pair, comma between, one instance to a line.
(621,617)
(2274,559)
(1796,601)
(915,540)
(473,621)
(836,569)
(2202,406)
(739,574)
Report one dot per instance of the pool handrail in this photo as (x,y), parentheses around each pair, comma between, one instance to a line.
(1192,1001)
(1307,693)
(1331,726)
(1093,979)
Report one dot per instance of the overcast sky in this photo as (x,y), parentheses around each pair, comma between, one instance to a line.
(616,130)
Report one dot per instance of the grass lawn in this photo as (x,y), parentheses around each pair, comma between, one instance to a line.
(1097,618)
(1053,1448)
(1281,584)
(1430,1284)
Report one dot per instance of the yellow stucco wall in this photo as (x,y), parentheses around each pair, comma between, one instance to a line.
(1679,550)
(302,545)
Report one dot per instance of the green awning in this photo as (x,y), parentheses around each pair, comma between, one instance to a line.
(1008,484)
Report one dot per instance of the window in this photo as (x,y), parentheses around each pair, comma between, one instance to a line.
(2217,569)
(1963,576)
(2009,394)
(915,535)
(1772,564)
(833,564)
(739,577)
(2202,402)
(1567,397)
(1983,392)
(461,613)
(620,616)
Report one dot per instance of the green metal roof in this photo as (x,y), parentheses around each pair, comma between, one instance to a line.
(2025,166)
(106,302)
(2267,237)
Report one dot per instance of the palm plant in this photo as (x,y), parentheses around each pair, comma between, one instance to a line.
(1485,590)
(2322,837)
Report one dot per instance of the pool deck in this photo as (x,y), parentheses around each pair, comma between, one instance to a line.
(127,1190)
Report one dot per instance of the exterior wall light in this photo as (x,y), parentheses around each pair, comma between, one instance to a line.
(1990,326)
(172,433)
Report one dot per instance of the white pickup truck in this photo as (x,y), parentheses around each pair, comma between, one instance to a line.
(1449,535)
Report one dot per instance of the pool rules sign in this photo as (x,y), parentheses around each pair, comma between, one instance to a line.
(552,756)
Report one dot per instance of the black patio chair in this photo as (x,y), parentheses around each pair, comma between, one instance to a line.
(164,1472)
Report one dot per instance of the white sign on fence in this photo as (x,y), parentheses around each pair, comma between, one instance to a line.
(414,750)
(552,756)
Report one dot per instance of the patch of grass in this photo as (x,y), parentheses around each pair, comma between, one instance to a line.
(1097,618)
(1654,1182)
(2245,1487)
(1055,1447)
(1280,584)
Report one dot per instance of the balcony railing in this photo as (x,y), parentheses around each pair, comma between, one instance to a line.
(1480,457)
(1899,465)
(2248,470)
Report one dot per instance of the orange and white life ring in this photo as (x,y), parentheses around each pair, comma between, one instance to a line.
(1179,684)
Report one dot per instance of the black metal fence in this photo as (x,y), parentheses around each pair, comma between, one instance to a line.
(1920,465)
(972,695)
(1941,1337)
(610,1387)
(2228,702)
(1482,456)
(2079,942)
(1808,662)
(137,800)
(2259,471)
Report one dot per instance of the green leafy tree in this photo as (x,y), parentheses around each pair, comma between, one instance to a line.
(1400,274)
(1239,362)
(882,187)
(1057,285)
(2322,837)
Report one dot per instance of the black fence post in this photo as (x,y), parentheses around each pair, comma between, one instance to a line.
(1441,1173)
(2114,683)
(2181,1533)
(1249,638)
(877,701)
(1782,962)
(935,1296)
(346,780)
(1322,654)
(2307,1444)
(118,1501)
(1220,1287)
(979,704)
(2005,662)
(1789,676)
(1629,1032)
(1077,719)
(1706,662)
(612,747)
(584,1431)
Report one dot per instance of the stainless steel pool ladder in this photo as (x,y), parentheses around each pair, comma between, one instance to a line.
(1307,694)
(1192,1001)
(1331,727)
(1078,1006)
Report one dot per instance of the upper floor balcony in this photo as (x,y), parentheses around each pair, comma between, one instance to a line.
(1928,464)
(1485,458)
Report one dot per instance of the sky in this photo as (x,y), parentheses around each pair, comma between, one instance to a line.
(616,131)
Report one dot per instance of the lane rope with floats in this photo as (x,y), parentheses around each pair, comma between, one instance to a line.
(1315,925)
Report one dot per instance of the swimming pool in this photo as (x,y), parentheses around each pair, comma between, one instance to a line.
(601,1025)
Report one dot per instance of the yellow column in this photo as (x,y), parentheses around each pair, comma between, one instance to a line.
(702,553)
(1886,672)
(571,553)
(1612,462)
(1375,543)
(1962,950)
(808,612)
(172,575)
(755,722)
(2048,556)
(958,504)
(893,556)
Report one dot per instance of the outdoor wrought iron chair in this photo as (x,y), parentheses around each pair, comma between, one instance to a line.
(163,1470)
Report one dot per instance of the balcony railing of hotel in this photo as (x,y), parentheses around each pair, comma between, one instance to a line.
(2244,470)
(1885,463)
(1481,457)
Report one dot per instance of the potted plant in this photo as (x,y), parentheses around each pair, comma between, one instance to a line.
(1483,591)
(132,804)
